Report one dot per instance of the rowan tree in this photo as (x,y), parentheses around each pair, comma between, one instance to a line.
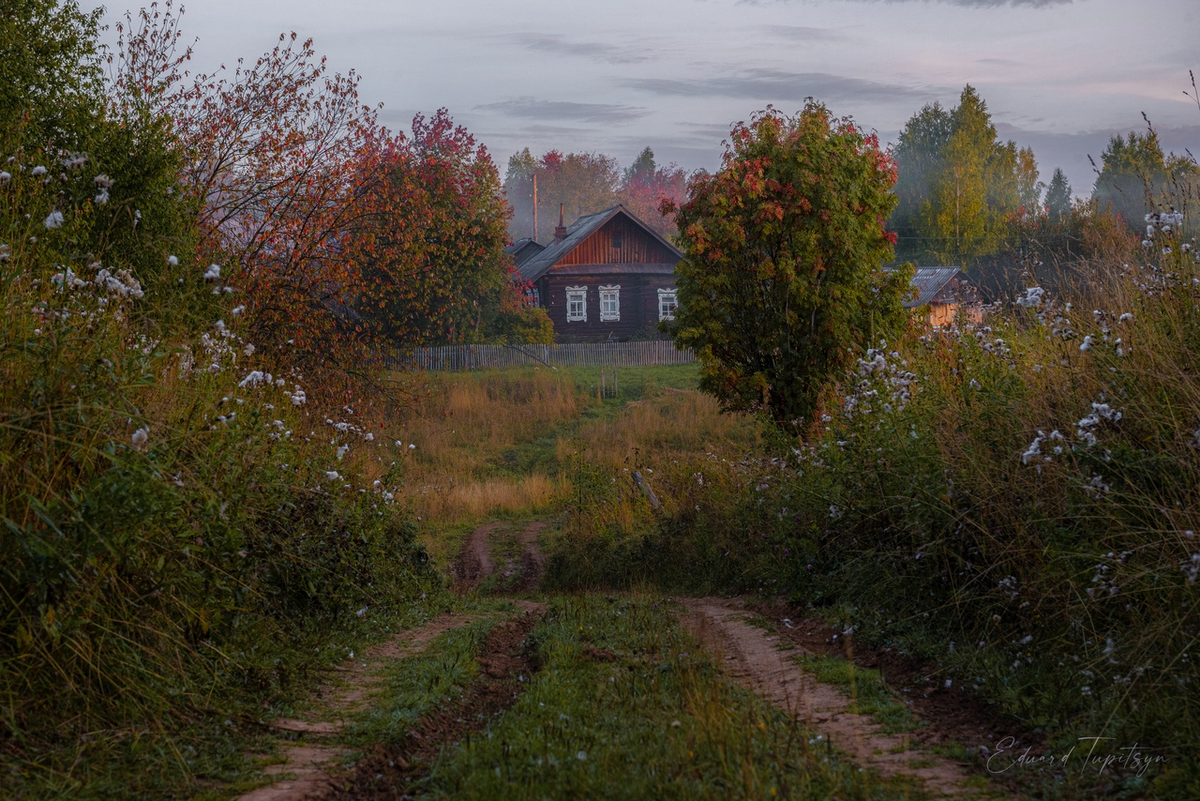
(334,238)
(435,244)
(782,279)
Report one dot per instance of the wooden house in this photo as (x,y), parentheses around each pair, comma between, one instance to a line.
(941,294)
(607,277)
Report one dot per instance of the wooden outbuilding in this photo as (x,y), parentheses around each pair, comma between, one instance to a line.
(941,294)
(608,277)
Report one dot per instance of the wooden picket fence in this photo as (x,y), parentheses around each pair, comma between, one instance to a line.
(582,354)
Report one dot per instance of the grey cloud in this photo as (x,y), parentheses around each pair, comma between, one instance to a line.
(684,152)
(554,43)
(777,85)
(705,130)
(967,3)
(560,110)
(801,33)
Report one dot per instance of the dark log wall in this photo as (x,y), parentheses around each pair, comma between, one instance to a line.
(637,246)
(639,305)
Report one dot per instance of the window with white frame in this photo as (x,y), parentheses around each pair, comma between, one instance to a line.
(577,304)
(667,304)
(610,303)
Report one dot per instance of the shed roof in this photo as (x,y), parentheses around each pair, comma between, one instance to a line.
(928,281)
(580,230)
(523,250)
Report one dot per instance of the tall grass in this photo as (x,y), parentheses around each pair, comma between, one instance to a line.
(174,545)
(1018,499)
(467,433)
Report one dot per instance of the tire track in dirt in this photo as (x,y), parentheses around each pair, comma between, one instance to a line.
(506,664)
(474,562)
(308,760)
(956,713)
(752,657)
(533,561)
(503,664)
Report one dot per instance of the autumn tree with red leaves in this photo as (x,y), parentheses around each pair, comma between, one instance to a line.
(336,239)
(782,281)
(434,248)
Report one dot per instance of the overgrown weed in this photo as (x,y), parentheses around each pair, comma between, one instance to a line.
(1016,499)
(185,536)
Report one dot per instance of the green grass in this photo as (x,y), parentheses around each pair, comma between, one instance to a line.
(414,686)
(635,383)
(626,706)
(866,689)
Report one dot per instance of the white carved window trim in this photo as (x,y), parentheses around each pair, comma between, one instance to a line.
(579,294)
(610,303)
(667,296)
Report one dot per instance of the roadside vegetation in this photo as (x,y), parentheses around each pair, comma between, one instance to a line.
(197,516)
(211,494)
(1013,500)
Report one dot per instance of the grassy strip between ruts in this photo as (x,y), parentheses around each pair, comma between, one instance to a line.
(413,686)
(626,706)
(505,546)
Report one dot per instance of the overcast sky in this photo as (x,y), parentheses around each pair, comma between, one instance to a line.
(616,76)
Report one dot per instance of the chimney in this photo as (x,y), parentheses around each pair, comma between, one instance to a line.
(560,231)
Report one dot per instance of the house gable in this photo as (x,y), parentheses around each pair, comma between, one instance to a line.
(620,240)
(523,250)
(593,240)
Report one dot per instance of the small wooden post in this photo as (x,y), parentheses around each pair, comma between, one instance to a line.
(644,486)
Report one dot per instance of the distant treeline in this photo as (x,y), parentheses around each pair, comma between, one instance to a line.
(964,196)
(581,183)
